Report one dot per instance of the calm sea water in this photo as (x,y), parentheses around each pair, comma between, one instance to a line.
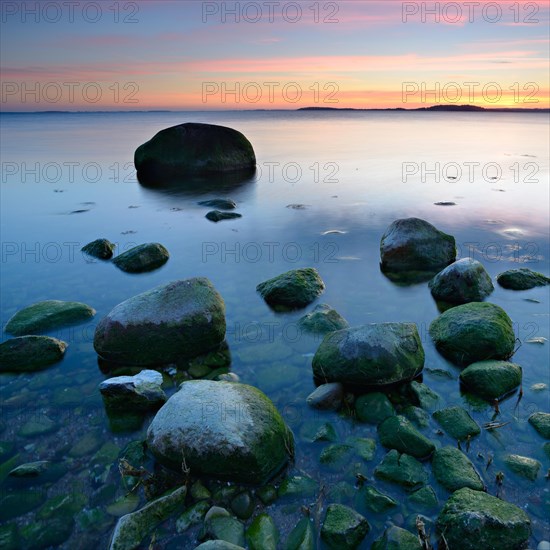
(68,179)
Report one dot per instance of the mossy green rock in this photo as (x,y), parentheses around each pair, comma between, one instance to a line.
(47,534)
(396,538)
(302,536)
(424,498)
(370,355)
(424,396)
(343,528)
(64,505)
(373,408)
(376,501)
(522,279)
(142,258)
(218,545)
(523,466)
(182,318)
(30,353)
(132,528)
(472,520)
(48,315)
(473,332)
(192,515)
(325,433)
(454,470)
(267,494)
(262,533)
(397,432)
(321,320)
(336,456)
(193,149)
(296,288)
(226,430)
(364,447)
(456,422)
(541,422)
(100,248)
(38,425)
(491,379)
(243,505)
(17,503)
(9,537)
(413,244)
(463,281)
(298,487)
(416,415)
(401,469)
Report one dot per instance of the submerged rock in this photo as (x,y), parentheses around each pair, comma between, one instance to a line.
(376,501)
(491,379)
(522,279)
(456,422)
(396,538)
(30,353)
(463,281)
(473,332)
(296,288)
(321,320)
(373,408)
(226,430)
(343,528)
(217,215)
(48,315)
(262,533)
(132,528)
(402,469)
(302,537)
(100,248)
(371,355)
(182,318)
(413,244)
(194,148)
(523,466)
(396,432)
(220,525)
(220,204)
(454,470)
(541,422)
(472,520)
(298,487)
(142,391)
(327,397)
(142,258)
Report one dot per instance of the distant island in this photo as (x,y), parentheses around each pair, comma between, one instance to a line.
(446,108)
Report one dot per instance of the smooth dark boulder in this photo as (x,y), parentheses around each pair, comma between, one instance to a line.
(473,332)
(48,315)
(491,379)
(343,528)
(30,353)
(295,288)
(194,149)
(463,281)
(370,355)
(471,520)
(219,204)
(522,279)
(225,430)
(397,432)
(218,216)
(457,422)
(321,320)
(100,248)
(182,318)
(413,244)
(142,258)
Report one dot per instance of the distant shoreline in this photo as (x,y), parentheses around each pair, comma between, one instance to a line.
(433,108)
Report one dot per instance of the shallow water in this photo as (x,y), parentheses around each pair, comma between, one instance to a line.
(348,172)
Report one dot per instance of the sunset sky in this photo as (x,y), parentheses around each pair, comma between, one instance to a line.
(189,55)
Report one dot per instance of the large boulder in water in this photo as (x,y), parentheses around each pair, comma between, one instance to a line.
(370,355)
(225,430)
(182,318)
(194,149)
(413,244)
(522,279)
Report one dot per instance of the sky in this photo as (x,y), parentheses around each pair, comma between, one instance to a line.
(191,55)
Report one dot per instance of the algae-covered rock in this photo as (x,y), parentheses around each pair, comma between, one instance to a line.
(100,248)
(370,355)
(321,320)
(296,288)
(413,244)
(463,281)
(541,422)
(471,520)
(397,432)
(48,315)
(192,515)
(343,528)
(424,498)
(401,469)
(220,525)
(491,379)
(522,279)
(30,353)
(193,148)
(182,318)
(523,466)
(298,487)
(454,470)
(142,258)
(373,408)
(424,396)
(456,422)
(396,538)
(302,536)
(132,528)
(377,501)
(262,533)
(473,332)
(226,430)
